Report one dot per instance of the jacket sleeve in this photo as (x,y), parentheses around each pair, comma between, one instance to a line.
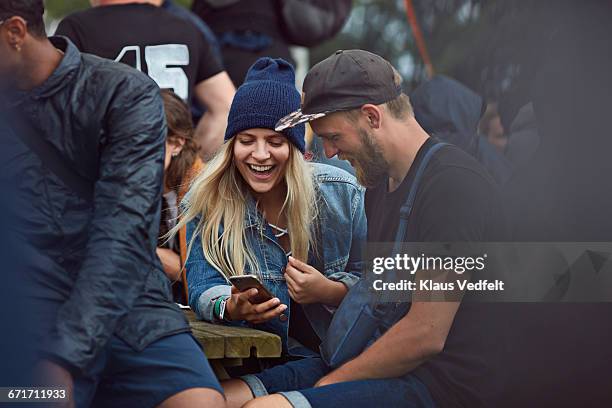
(354,266)
(205,283)
(122,234)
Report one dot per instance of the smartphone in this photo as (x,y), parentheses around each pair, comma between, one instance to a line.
(246,282)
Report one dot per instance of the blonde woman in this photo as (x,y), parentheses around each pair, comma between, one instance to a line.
(259,208)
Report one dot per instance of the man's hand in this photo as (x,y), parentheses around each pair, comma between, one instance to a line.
(239,307)
(308,285)
(54,375)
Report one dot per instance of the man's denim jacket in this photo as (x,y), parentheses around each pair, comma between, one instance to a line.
(343,232)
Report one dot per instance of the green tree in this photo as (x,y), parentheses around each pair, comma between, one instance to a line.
(57,9)
(376,26)
(473,41)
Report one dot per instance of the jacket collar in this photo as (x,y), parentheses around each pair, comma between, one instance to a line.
(60,78)
(252,216)
(67,68)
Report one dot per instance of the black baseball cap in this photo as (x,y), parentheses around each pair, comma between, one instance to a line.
(346,80)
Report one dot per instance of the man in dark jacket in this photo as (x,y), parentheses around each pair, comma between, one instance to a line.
(87,156)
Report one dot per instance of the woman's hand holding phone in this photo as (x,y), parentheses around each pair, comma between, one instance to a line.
(239,307)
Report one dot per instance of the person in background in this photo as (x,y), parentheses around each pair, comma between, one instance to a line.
(169,49)
(259,208)
(523,138)
(246,30)
(450,111)
(87,147)
(179,11)
(197,110)
(181,165)
(491,128)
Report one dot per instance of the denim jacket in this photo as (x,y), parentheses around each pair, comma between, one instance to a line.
(342,225)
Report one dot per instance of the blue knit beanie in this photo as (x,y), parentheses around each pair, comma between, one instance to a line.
(267,95)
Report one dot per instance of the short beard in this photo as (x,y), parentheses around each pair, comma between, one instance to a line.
(370,166)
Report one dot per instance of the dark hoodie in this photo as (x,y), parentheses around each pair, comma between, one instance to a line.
(450,111)
(523,140)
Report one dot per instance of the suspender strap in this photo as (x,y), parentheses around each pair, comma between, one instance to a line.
(381,307)
(406,209)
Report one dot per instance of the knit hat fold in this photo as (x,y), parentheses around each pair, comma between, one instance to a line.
(267,94)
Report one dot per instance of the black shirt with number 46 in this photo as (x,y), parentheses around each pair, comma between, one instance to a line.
(169,49)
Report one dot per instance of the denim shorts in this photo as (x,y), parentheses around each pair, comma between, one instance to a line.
(122,377)
(295,381)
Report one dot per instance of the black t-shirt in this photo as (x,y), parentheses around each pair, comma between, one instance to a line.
(456,201)
(261,16)
(169,49)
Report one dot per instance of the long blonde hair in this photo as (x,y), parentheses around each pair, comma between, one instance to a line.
(219,196)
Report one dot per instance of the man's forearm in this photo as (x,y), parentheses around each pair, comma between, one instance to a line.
(399,351)
(417,337)
(209,133)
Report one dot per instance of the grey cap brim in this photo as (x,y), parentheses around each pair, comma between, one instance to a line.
(296,118)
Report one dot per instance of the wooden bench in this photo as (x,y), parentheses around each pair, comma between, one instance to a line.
(226,346)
